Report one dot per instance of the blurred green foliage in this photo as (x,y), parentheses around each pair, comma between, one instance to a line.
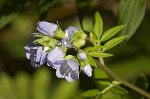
(18,18)
(37,86)
(131,14)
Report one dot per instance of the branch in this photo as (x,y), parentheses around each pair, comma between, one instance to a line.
(119,79)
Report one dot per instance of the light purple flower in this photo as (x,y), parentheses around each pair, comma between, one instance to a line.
(69,32)
(68,69)
(36,54)
(82,55)
(65,42)
(54,55)
(47,28)
(87,70)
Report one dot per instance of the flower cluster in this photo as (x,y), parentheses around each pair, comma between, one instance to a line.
(50,45)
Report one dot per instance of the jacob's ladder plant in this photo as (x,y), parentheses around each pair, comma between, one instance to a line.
(50,45)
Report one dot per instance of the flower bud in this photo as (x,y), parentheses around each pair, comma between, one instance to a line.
(82,56)
(87,70)
(79,43)
(59,34)
(47,28)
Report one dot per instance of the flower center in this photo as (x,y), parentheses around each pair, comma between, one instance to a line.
(65,42)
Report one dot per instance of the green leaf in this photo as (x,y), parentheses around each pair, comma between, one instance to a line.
(6,86)
(7,19)
(78,39)
(59,34)
(98,54)
(141,81)
(79,43)
(41,40)
(131,13)
(45,41)
(78,35)
(83,63)
(64,90)
(83,6)
(90,93)
(51,43)
(100,76)
(112,43)
(91,48)
(41,86)
(110,95)
(22,82)
(91,61)
(111,32)
(98,25)
(119,90)
(94,39)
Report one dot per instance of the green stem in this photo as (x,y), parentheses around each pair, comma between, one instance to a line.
(102,65)
(114,83)
(124,82)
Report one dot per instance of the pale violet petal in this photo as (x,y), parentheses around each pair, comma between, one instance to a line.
(47,28)
(28,55)
(88,70)
(70,30)
(73,64)
(75,75)
(41,55)
(58,74)
(63,69)
(82,56)
(38,57)
(54,55)
(33,59)
(59,62)
(69,79)
(29,49)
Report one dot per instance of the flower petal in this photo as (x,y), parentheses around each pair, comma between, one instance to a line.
(64,70)
(55,55)
(82,56)
(38,57)
(29,49)
(88,70)
(75,75)
(65,42)
(47,28)
(70,30)
(69,79)
(58,74)
(73,64)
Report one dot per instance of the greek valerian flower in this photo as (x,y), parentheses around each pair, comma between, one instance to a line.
(87,69)
(49,47)
(68,69)
(82,56)
(54,55)
(47,28)
(37,54)
(69,32)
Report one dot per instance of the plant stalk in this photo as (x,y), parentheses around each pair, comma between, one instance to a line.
(121,80)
